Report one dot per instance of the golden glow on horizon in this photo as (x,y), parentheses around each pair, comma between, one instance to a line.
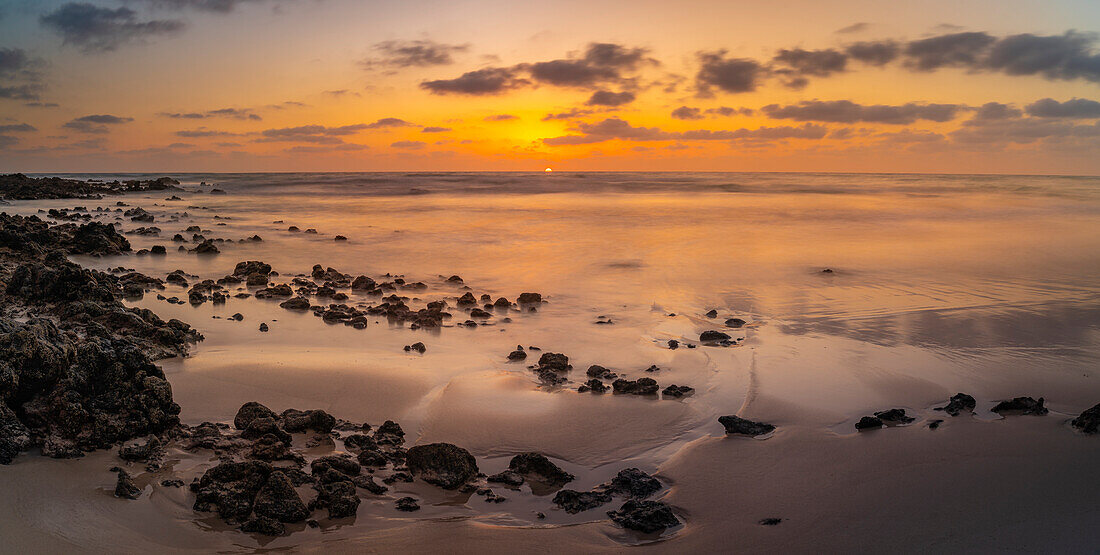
(548,170)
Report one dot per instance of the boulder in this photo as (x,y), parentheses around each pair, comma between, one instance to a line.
(742,426)
(538,467)
(958,403)
(442,464)
(644,516)
(1022,405)
(1089,421)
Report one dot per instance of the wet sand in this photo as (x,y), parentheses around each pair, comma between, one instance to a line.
(989,293)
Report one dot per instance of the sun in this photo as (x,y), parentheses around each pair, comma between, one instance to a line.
(548,170)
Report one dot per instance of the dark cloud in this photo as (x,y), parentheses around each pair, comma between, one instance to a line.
(816,63)
(233,113)
(409,145)
(387,122)
(951,50)
(203,132)
(340,93)
(20,92)
(20,78)
(415,53)
(317,134)
(501,117)
(876,53)
(853,28)
(615,128)
(345,147)
(1077,108)
(96,123)
(17,128)
(727,111)
(732,75)
(435,129)
(608,98)
(96,29)
(996,111)
(219,6)
(42,105)
(1067,56)
(846,111)
(571,114)
(1024,130)
(687,112)
(488,81)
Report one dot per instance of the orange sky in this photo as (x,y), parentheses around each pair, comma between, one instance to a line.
(1005,86)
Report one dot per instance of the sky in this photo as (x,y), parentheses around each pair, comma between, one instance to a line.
(959,86)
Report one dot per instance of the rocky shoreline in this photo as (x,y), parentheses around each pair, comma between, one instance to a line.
(78,373)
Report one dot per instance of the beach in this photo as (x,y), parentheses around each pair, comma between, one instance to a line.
(841,295)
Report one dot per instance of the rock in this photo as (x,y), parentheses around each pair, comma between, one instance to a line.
(508,478)
(206,247)
(372,457)
(594,385)
(529,298)
(958,403)
(442,464)
(263,326)
(251,267)
(634,483)
(173,483)
(517,355)
(389,434)
(673,344)
(641,386)
(538,467)
(256,280)
(158,250)
(346,466)
(339,238)
(249,412)
(678,390)
(140,450)
(770,521)
(262,426)
(479,313)
(237,316)
(554,361)
(407,504)
(894,416)
(712,336)
(868,422)
(263,525)
(1089,421)
(1022,405)
(742,426)
(277,499)
(125,486)
(573,502)
(339,498)
(297,303)
(368,483)
(296,421)
(735,322)
(711,313)
(597,371)
(363,283)
(230,488)
(418,347)
(644,516)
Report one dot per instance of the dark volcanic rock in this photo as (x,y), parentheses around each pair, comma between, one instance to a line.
(125,487)
(644,516)
(868,422)
(554,361)
(1022,405)
(508,478)
(737,425)
(300,421)
(538,467)
(278,500)
(634,483)
(518,354)
(407,504)
(894,416)
(594,385)
(573,501)
(263,525)
(641,386)
(1088,421)
(735,322)
(529,298)
(958,403)
(340,498)
(597,371)
(230,488)
(678,390)
(297,303)
(249,412)
(441,464)
(712,336)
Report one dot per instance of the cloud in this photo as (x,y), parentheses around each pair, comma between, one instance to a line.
(686,112)
(409,145)
(1024,130)
(846,111)
(501,117)
(345,147)
(20,92)
(615,128)
(727,111)
(571,114)
(608,98)
(732,75)
(996,111)
(875,53)
(17,128)
(96,29)
(8,141)
(1077,108)
(318,134)
(20,78)
(203,132)
(96,123)
(816,63)
(233,113)
(488,81)
(218,6)
(435,129)
(853,28)
(340,93)
(414,53)
(41,105)
(1067,56)
(951,50)
(387,122)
